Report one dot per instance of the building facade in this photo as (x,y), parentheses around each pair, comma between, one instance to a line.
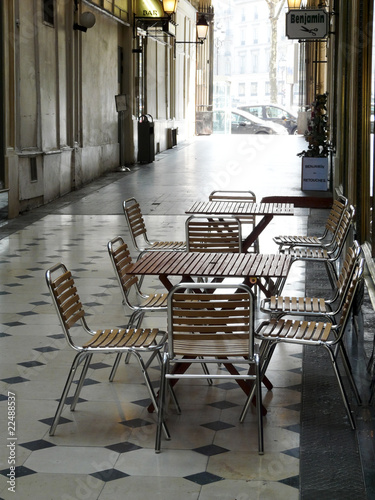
(63,63)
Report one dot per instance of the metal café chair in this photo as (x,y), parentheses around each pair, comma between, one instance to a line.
(247,196)
(314,333)
(136,341)
(329,308)
(213,234)
(328,257)
(138,231)
(327,239)
(130,289)
(214,325)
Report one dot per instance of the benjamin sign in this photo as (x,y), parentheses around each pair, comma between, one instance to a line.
(307,23)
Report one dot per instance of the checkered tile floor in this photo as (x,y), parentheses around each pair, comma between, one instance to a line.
(104,449)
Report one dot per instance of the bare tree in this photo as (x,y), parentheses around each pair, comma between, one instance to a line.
(274,7)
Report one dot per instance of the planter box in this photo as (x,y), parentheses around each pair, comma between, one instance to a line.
(314,174)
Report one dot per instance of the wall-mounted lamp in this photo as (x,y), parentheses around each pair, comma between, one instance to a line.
(202,30)
(170,6)
(86,21)
(294,4)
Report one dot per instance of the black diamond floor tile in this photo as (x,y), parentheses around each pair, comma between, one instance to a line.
(48,421)
(98,366)
(293,482)
(293,428)
(142,402)
(47,348)
(203,478)
(297,355)
(223,405)
(88,381)
(296,370)
(135,423)
(69,400)
(14,380)
(217,426)
(227,386)
(21,471)
(123,447)
(56,336)
(109,475)
(31,364)
(294,452)
(210,450)
(39,444)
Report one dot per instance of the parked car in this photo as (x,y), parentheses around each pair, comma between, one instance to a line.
(242,122)
(275,114)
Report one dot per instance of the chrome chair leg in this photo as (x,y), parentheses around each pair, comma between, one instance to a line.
(348,370)
(162,403)
(76,362)
(80,382)
(150,390)
(341,386)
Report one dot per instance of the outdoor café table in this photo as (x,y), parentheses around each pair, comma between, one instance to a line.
(253,269)
(242,208)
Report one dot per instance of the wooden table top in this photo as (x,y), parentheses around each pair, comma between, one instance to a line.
(240,208)
(221,265)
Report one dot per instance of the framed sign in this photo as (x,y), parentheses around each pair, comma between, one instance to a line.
(120,102)
(307,24)
(314,174)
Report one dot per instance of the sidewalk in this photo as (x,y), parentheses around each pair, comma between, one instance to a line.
(104,450)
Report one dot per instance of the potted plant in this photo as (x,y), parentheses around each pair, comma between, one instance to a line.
(315,158)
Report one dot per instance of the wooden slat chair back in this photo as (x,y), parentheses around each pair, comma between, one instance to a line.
(279,306)
(130,289)
(213,234)
(326,240)
(213,325)
(138,231)
(122,262)
(248,196)
(314,333)
(68,305)
(325,256)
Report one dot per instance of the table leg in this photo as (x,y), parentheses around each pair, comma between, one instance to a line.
(258,229)
(245,386)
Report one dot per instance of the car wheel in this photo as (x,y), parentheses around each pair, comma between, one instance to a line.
(294,131)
